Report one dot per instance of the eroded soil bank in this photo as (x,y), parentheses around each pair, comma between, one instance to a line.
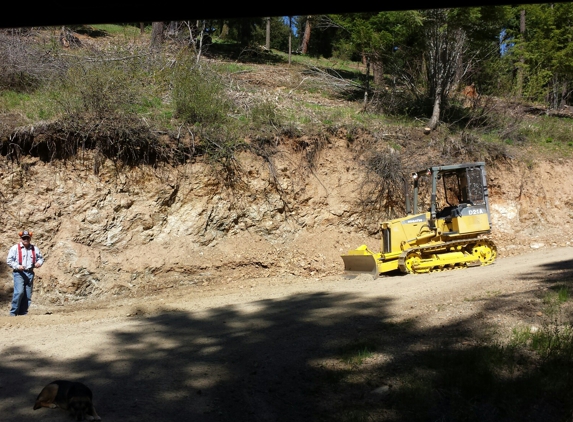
(135,231)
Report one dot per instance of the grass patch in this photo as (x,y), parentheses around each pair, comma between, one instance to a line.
(36,105)
(554,299)
(562,293)
(11,100)
(231,67)
(550,135)
(147,105)
(347,66)
(549,341)
(554,337)
(40,107)
(265,113)
(354,354)
(481,383)
(126,30)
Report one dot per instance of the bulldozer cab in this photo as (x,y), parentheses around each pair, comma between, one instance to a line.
(454,191)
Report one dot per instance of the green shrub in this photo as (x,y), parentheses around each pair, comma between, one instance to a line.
(199,93)
(103,88)
(266,113)
(100,87)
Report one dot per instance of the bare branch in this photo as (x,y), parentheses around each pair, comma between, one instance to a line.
(335,80)
(325,22)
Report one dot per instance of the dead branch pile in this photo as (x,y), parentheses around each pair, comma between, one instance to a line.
(331,80)
(22,65)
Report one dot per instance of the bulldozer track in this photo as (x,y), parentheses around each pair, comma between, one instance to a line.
(425,259)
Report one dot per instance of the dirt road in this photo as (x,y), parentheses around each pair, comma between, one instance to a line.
(262,350)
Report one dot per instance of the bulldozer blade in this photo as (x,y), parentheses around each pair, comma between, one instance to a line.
(360,264)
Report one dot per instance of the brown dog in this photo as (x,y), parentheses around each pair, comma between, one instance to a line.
(68,395)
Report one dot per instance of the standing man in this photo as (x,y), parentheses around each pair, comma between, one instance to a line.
(23,258)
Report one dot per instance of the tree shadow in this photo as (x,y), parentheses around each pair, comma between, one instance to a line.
(231,363)
(242,53)
(557,271)
(307,357)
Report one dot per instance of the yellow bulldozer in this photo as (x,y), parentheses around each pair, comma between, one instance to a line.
(450,232)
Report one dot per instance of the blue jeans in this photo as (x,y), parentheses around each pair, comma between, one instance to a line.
(22,298)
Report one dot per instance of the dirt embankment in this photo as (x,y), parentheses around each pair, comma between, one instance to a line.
(138,231)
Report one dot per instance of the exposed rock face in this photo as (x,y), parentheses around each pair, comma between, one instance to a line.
(131,231)
(532,205)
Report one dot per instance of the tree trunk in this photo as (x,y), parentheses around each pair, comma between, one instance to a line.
(200,47)
(433,123)
(377,71)
(173,28)
(564,94)
(224,31)
(306,36)
(459,73)
(520,69)
(157,29)
(289,38)
(444,46)
(268,40)
(367,83)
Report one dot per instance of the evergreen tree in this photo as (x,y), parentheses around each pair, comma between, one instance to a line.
(547,52)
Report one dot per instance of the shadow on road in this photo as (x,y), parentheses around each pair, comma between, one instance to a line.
(553,272)
(309,357)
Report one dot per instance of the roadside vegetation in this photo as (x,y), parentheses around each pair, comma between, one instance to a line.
(202,95)
(101,87)
(465,372)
